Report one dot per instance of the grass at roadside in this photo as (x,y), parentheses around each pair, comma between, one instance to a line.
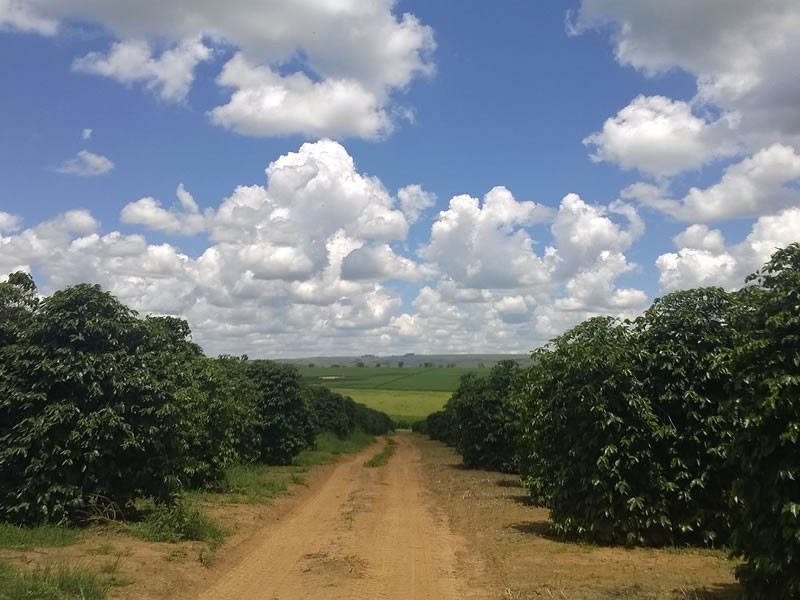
(329,448)
(13,537)
(176,524)
(382,457)
(51,583)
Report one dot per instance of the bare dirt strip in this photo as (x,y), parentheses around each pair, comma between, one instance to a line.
(366,533)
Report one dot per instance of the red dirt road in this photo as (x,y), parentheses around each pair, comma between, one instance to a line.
(365,533)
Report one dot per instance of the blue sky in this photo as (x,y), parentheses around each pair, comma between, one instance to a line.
(470,179)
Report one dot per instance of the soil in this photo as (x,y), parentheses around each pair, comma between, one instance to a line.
(492,512)
(366,533)
(419,527)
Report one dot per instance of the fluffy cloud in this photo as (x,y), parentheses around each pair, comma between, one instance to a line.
(148,212)
(496,289)
(170,74)
(414,201)
(308,261)
(86,134)
(266,103)
(758,185)
(742,53)
(703,258)
(582,232)
(486,245)
(661,137)
(16,15)
(381,262)
(8,222)
(86,164)
(317,68)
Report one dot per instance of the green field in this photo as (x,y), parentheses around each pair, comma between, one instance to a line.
(388,378)
(406,405)
(407,393)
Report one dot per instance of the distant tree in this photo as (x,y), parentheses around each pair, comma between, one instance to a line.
(311,365)
(360,364)
(400,364)
(377,365)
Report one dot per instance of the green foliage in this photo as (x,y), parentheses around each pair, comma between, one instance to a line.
(588,435)
(420,426)
(764,369)
(177,523)
(371,421)
(681,339)
(285,419)
(333,412)
(442,425)
(488,423)
(219,418)
(87,414)
(18,300)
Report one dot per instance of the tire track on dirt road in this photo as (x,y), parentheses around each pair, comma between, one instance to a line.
(365,534)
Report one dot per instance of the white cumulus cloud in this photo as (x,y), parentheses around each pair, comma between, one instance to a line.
(758,185)
(86,164)
(704,258)
(170,74)
(148,212)
(661,137)
(317,68)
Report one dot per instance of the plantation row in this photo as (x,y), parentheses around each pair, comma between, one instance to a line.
(680,427)
(99,408)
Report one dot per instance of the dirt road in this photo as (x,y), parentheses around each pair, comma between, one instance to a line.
(366,533)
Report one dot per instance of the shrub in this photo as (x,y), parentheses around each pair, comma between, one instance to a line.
(285,420)
(177,523)
(87,413)
(764,367)
(420,426)
(442,425)
(587,438)
(333,412)
(370,420)
(488,422)
(681,339)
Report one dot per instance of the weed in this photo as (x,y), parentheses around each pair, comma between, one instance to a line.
(329,447)
(13,537)
(177,523)
(205,557)
(255,482)
(51,583)
(382,457)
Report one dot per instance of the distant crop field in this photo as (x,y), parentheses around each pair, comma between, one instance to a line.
(410,405)
(388,378)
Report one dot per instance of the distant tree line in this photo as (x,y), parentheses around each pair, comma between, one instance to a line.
(679,427)
(99,407)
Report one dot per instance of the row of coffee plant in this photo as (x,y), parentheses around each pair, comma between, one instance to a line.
(100,408)
(679,427)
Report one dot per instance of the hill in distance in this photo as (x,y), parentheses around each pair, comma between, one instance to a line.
(408,360)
